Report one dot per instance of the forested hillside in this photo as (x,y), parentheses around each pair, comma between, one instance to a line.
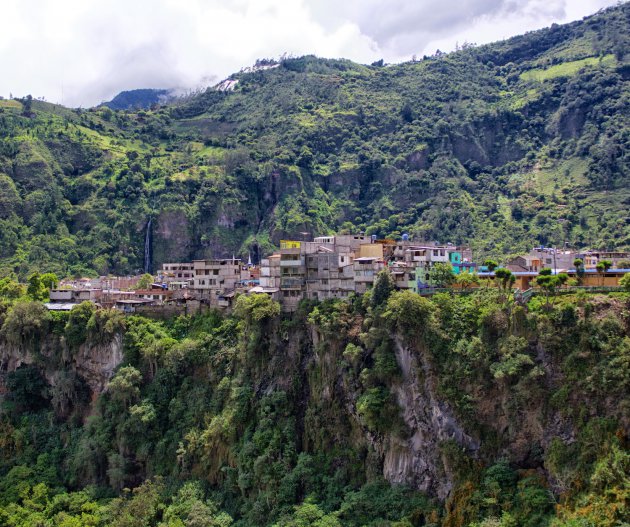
(388,410)
(504,145)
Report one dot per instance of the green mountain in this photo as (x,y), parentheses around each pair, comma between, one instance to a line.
(138,99)
(501,146)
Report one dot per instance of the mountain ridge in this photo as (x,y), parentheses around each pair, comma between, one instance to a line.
(526,136)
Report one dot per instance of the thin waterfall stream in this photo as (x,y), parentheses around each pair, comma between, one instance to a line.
(147,248)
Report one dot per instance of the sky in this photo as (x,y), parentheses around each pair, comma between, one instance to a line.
(83,52)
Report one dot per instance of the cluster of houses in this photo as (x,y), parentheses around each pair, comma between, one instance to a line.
(326,267)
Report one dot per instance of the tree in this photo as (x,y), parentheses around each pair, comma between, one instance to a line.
(578,263)
(125,385)
(409,312)
(26,322)
(406,112)
(10,289)
(49,281)
(39,285)
(491,265)
(76,330)
(27,389)
(10,199)
(466,280)
(441,275)
(36,289)
(105,324)
(625,282)
(256,308)
(504,278)
(189,508)
(383,287)
(548,283)
(606,264)
(602,267)
(27,105)
(141,508)
(309,514)
(145,281)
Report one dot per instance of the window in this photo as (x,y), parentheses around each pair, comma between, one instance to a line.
(215,272)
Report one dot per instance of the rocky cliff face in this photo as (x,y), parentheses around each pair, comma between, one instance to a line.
(93,363)
(412,457)
(417,460)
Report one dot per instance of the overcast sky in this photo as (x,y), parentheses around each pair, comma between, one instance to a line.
(83,52)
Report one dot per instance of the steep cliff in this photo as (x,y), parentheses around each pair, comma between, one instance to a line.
(94,363)
(450,410)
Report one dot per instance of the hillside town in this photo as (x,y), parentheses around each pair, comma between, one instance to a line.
(332,267)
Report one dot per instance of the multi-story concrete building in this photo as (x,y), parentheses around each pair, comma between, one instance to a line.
(154,296)
(270,272)
(460,261)
(365,270)
(75,296)
(329,274)
(292,274)
(177,275)
(404,275)
(216,277)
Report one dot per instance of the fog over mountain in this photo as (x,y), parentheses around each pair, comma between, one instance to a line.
(81,53)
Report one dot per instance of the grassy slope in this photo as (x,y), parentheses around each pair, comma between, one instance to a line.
(521,136)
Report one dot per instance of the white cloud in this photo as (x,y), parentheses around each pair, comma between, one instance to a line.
(81,52)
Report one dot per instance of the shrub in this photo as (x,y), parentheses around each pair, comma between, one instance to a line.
(104,324)
(26,322)
(256,308)
(378,409)
(76,330)
(409,312)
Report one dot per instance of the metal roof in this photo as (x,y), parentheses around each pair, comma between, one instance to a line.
(59,306)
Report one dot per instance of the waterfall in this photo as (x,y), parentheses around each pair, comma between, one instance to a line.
(147,248)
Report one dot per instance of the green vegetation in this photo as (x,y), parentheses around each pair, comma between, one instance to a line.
(230,420)
(461,148)
(503,413)
(567,69)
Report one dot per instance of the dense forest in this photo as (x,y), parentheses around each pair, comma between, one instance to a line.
(390,409)
(500,146)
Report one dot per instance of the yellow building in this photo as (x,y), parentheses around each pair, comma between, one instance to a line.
(290,244)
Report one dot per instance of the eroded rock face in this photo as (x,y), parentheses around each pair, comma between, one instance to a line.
(94,363)
(417,460)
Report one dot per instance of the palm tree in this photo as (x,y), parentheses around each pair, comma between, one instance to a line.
(602,267)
